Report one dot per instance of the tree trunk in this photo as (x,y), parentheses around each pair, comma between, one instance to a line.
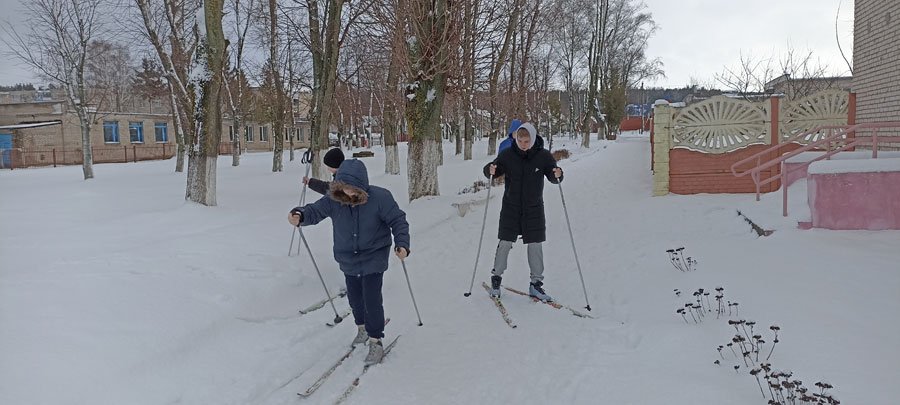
(391,127)
(236,142)
(425,101)
(468,73)
(77,92)
(179,131)
(469,135)
(325,58)
(278,109)
(496,126)
(203,158)
(87,155)
(458,122)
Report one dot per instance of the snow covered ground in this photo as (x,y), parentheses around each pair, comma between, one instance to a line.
(116,291)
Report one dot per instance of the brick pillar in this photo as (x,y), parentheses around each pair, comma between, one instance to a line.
(662,143)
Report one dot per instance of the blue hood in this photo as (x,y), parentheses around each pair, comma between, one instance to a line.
(513,126)
(354,173)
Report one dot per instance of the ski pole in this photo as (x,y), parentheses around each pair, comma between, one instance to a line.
(337,318)
(572,237)
(481,238)
(307,160)
(405,273)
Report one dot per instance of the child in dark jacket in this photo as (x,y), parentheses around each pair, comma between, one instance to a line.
(525,164)
(364,217)
(332,159)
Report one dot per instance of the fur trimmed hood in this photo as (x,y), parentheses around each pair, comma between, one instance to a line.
(338,192)
(351,175)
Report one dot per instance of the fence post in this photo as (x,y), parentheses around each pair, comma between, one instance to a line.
(774,117)
(134,152)
(126,153)
(54,157)
(662,143)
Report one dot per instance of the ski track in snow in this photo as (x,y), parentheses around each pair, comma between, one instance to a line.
(116,291)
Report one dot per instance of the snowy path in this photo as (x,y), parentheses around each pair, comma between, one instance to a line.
(115,291)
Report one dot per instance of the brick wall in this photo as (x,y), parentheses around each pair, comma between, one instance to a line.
(696,172)
(876,60)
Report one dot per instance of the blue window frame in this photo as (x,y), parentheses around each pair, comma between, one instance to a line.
(136,130)
(161,129)
(111,131)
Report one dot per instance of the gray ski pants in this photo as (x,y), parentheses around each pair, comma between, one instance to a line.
(535,259)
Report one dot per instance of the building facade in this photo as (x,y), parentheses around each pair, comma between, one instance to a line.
(876,60)
(47,133)
(43,133)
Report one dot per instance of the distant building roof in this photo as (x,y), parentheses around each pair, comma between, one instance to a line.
(31,125)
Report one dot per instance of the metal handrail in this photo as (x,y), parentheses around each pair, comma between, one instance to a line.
(838,136)
(760,165)
(775,148)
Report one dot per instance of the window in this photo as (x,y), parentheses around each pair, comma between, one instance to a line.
(162,132)
(136,130)
(231,133)
(248,134)
(300,134)
(264,134)
(111,131)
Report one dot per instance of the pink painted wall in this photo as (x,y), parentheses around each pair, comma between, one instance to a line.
(869,201)
(795,172)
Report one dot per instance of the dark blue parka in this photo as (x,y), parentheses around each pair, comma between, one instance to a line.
(362,232)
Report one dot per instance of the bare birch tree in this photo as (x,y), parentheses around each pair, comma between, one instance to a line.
(277,88)
(108,73)
(56,45)
(194,69)
(169,27)
(236,83)
(498,60)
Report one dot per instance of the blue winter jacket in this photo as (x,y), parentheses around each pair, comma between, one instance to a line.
(362,233)
(510,139)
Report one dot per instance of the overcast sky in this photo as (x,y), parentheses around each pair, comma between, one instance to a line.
(696,38)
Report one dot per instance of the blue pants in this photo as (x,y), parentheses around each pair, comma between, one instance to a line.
(364,294)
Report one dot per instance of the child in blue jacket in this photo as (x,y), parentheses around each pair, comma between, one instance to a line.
(510,140)
(364,217)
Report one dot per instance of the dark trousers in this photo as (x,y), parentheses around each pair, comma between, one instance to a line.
(364,294)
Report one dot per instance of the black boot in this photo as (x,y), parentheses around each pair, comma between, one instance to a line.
(495,286)
(536,290)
